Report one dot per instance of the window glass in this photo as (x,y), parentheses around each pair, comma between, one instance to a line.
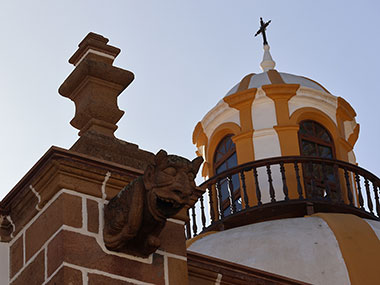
(321,133)
(219,155)
(224,189)
(325,151)
(221,168)
(232,160)
(308,148)
(306,128)
(235,181)
(316,141)
(225,158)
(224,150)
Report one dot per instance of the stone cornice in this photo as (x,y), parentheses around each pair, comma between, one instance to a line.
(245,135)
(344,110)
(199,136)
(287,128)
(62,169)
(280,91)
(240,99)
(95,69)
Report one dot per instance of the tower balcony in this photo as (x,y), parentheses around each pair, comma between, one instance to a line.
(283,187)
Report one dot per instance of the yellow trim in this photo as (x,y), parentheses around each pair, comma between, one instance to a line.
(244,83)
(344,112)
(345,145)
(200,139)
(219,133)
(205,169)
(287,133)
(245,153)
(354,136)
(346,108)
(288,137)
(189,242)
(341,146)
(199,136)
(281,94)
(358,244)
(309,113)
(244,147)
(244,141)
(275,77)
(242,101)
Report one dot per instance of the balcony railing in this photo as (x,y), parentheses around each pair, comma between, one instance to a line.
(283,187)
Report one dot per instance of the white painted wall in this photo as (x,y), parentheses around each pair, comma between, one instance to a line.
(375,227)
(259,80)
(221,113)
(263,112)
(295,79)
(266,144)
(300,248)
(349,127)
(351,157)
(307,97)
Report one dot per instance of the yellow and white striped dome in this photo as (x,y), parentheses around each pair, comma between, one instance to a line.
(263,112)
(272,76)
(319,249)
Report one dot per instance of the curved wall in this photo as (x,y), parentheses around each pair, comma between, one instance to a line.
(265,121)
(319,249)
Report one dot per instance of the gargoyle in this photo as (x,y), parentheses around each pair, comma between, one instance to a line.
(134,218)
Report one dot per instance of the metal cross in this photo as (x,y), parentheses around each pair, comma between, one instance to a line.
(263,27)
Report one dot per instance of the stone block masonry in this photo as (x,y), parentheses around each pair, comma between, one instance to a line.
(63,243)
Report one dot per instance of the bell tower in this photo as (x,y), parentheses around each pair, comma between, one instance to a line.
(283,189)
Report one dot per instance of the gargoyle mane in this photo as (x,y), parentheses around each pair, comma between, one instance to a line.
(136,216)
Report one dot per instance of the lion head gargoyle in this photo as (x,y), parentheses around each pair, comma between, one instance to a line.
(134,218)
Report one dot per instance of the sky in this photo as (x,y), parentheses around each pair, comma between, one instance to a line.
(186,55)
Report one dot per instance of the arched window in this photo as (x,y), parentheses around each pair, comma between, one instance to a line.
(225,158)
(316,141)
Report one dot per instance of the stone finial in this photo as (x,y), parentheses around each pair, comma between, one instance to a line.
(268,63)
(94,86)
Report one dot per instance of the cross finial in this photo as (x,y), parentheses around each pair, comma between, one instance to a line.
(263,27)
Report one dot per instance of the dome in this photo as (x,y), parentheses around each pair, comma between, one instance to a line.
(253,142)
(311,249)
(274,77)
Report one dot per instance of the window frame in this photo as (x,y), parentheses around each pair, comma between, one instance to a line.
(317,141)
(225,204)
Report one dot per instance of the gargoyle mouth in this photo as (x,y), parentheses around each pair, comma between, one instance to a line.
(167,206)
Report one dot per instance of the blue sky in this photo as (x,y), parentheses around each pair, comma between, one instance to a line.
(185,55)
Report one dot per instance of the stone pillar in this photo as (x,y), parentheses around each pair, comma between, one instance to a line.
(242,101)
(287,133)
(94,86)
